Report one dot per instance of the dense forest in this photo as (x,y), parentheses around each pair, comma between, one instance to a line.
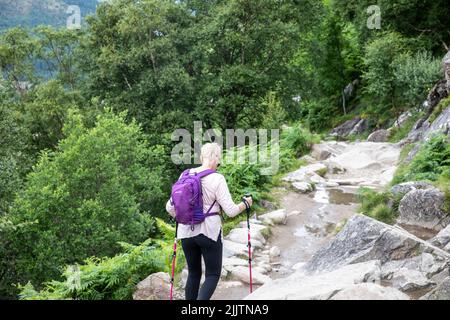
(85,167)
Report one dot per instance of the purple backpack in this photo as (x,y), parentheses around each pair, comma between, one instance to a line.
(187,198)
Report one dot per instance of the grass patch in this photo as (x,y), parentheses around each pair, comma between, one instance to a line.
(378,205)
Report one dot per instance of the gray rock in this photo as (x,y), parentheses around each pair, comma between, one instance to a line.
(274,253)
(155,287)
(303,187)
(299,286)
(401,120)
(379,136)
(275,217)
(231,248)
(242,274)
(441,292)
(436,94)
(446,63)
(267,205)
(239,235)
(363,239)
(324,150)
(442,238)
(360,127)
(369,291)
(405,187)
(350,127)
(410,280)
(423,208)
(350,89)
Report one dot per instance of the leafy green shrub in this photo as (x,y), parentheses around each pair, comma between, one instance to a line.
(103,278)
(244,177)
(274,113)
(319,114)
(415,75)
(379,77)
(298,139)
(431,161)
(94,191)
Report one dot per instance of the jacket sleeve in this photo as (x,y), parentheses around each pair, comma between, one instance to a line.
(224,199)
(170,208)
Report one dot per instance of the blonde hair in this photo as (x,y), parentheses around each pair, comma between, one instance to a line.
(211,152)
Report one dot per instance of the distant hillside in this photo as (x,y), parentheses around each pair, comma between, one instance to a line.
(30,13)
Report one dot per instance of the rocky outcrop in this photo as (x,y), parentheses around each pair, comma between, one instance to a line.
(437,93)
(441,292)
(364,239)
(381,135)
(442,238)
(155,287)
(300,286)
(369,291)
(350,127)
(401,120)
(446,64)
(424,208)
(405,187)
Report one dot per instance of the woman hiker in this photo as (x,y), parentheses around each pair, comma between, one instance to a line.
(205,239)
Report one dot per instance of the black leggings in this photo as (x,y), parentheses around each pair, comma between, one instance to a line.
(194,248)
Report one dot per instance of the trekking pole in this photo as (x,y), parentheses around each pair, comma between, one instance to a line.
(247,208)
(174,259)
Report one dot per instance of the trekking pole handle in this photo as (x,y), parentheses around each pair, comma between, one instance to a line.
(244,200)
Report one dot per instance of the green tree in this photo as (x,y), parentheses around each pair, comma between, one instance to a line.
(380,82)
(99,187)
(424,20)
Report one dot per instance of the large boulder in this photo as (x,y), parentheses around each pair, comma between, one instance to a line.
(369,291)
(405,187)
(402,119)
(436,94)
(350,127)
(242,273)
(360,127)
(155,287)
(309,173)
(299,286)
(240,235)
(446,63)
(381,135)
(231,248)
(410,280)
(442,238)
(275,217)
(441,292)
(324,150)
(303,187)
(424,208)
(363,239)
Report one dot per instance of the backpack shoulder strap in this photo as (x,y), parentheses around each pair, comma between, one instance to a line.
(204,173)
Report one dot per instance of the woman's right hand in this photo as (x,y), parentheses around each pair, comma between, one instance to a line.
(249,200)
